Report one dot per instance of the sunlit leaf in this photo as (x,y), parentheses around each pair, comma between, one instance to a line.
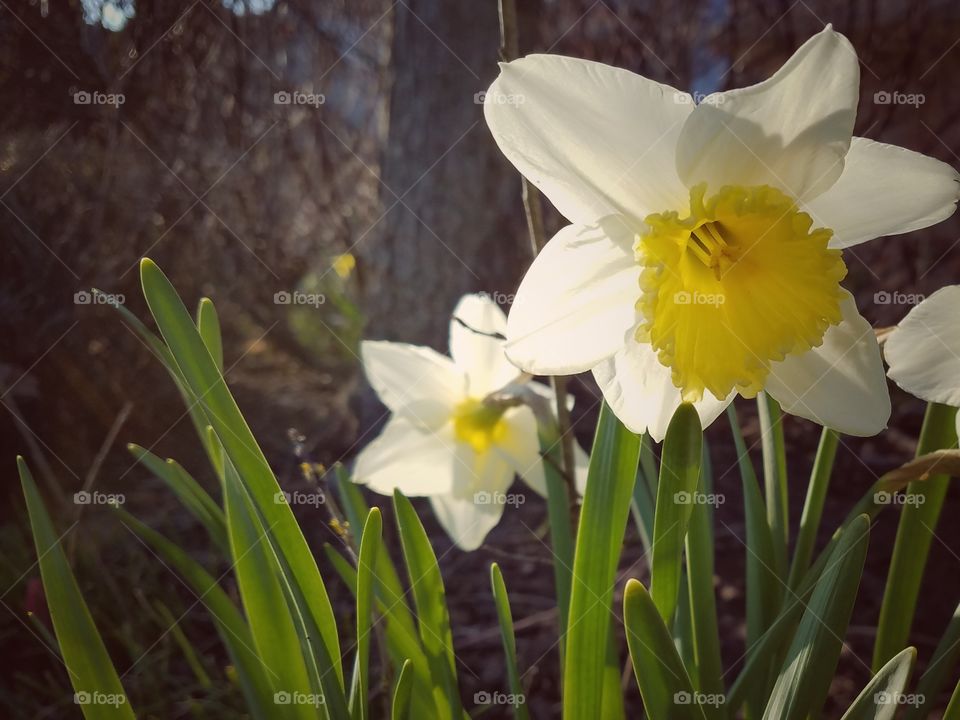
(679,478)
(664,683)
(603,519)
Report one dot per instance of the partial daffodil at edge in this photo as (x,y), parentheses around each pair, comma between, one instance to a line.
(923,351)
(704,256)
(442,441)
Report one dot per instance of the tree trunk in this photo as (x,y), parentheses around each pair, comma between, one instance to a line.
(453,221)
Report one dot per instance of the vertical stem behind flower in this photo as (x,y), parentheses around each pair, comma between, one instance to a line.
(915,532)
(813,505)
(561,531)
(775,478)
(510,50)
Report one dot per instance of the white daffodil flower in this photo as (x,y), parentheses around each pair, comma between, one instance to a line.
(704,255)
(442,440)
(923,351)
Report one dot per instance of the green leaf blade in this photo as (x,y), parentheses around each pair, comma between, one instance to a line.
(665,686)
(703,603)
(804,680)
(430,600)
(208,323)
(400,706)
(200,373)
(272,626)
(679,479)
(230,623)
(603,519)
(369,544)
(880,699)
(505,618)
(99,692)
(388,586)
(190,493)
(918,521)
(813,504)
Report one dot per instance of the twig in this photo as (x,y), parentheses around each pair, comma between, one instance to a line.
(509,42)
(91,476)
(105,446)
(542,617)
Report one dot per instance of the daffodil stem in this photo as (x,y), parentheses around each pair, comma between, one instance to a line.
(566,442)
(762,584)
(645,494)
(606,507)
(918,521)
(813,505)
(534,213)
(509,42)
(775,478)
(351,541)
(701,598)
(558,498)
(561,539)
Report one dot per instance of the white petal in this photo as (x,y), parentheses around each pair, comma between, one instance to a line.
(581,465)
(523,452)
(466,522)
(923,352)
(416,382)
(840,384)
(521,447)
(475,472)
(576,300)
(475,323)
(790,131)
(408,457)
(639,390)
(581,460)
(595,139)
(885,190)
(478,312)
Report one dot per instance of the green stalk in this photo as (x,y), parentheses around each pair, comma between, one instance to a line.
(643,507)
(763,587)
(679,479)
(775,478)
(603,520)
(707,674)
(612,707)
(84,654)
(648,464)
(683,628)
(561,538)
(813,505)
(914,534)
(505,617)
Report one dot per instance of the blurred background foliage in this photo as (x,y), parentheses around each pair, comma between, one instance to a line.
(389,200)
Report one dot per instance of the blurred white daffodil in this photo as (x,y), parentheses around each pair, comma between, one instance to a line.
(443,440)
(704,258)
(923,351)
